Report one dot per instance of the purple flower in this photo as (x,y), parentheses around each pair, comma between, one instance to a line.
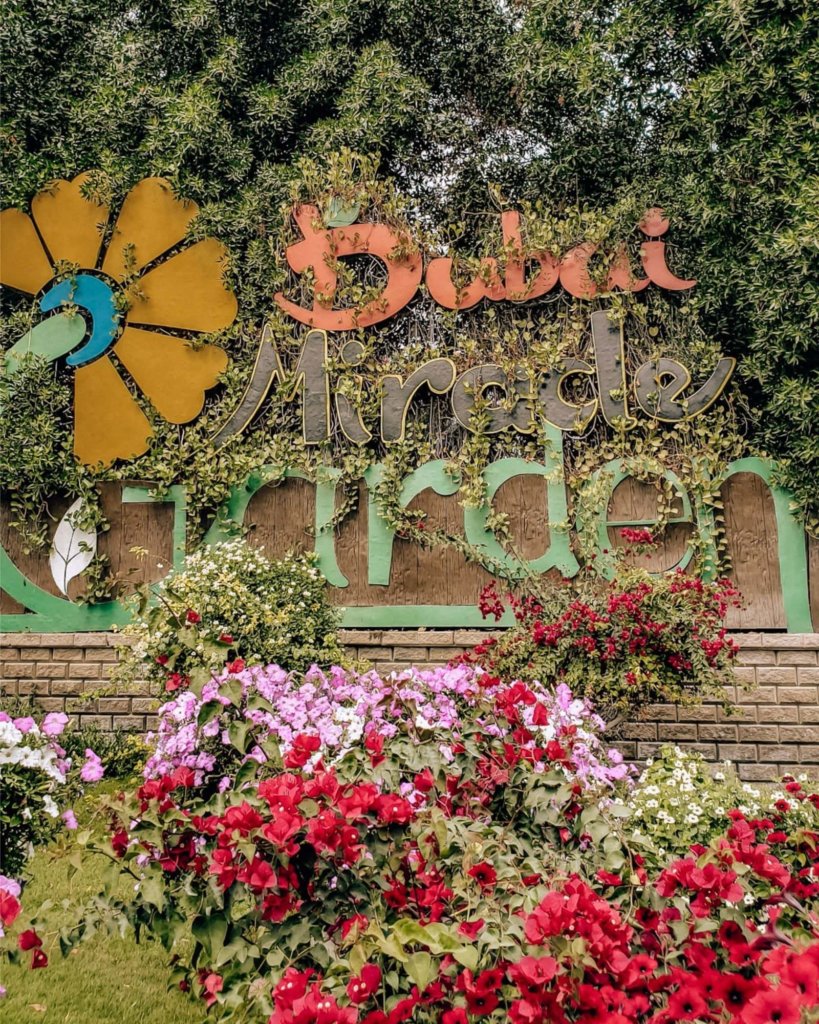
(92,770)
(54,723)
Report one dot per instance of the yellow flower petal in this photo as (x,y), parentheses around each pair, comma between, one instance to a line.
(173,375)
(24,264)
(108,424)
(186,292)
(151,221)
(70,225)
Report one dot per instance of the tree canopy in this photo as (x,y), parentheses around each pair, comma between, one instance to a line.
(705,107)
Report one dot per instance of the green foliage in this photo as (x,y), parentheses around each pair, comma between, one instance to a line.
(228,602)
(122,751)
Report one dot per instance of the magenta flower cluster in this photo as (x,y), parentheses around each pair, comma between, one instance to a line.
(342,707)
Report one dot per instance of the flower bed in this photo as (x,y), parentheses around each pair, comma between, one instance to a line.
(442,847)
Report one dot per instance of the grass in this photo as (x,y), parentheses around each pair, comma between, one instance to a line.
(108,980)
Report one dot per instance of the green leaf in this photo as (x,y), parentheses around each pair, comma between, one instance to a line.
(422,969)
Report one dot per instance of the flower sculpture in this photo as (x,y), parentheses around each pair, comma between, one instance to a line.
(57,254)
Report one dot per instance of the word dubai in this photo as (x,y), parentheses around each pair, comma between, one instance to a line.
(660,386)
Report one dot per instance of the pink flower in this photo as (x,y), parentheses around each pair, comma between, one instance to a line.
(92,770)
(54,723)
(69,819)
(24,724)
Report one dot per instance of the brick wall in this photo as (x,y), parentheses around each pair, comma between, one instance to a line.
(774,728)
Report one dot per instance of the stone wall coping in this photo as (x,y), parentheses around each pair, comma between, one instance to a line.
(390,637)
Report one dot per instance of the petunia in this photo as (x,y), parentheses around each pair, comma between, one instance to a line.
(93,769)
(54,723)
(165,289)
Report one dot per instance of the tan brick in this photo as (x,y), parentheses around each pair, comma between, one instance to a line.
(738,713)
(707,750)
(36,687)
(47,704)
(82,670)
(146,704)
(718,732)
(101,654)
(738,751)
(439,637)
(402,637)
(799,733)
(410,654)
(628,749)
(808,714)
(759,733)
(808,676)
(676,731)
(756,657)
(80,705)
(50,670)
(745,676)
(797,657)
(129,722)
(9,654)
(114,705)
(66,687)
(35,654)
(68,654)
(91,639)
(135,688)
(809,754)
(19,670)
(698,713)
(27,639)
(776,752)
(444,654)
(639,731)
(759,695)
(782,675)
(797,694)
(779,713)
(353,637)
(375,653)
(661,712)
(758,772)
(470,637)
(794,641)
(645,750)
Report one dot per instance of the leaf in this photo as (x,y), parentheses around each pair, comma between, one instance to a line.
(422,969)
(341,214)
(72,549)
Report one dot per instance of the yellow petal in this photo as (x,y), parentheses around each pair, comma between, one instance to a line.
(108,423)
(24,264)
(151,221)
(70,225)
(186,292)
(173,375)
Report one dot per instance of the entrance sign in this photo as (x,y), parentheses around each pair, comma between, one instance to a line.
(135,299)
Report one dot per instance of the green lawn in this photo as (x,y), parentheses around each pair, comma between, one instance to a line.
(104,981)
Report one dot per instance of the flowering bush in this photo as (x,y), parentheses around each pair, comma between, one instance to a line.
(680,800)
(625,644)
(227,602)
(36,777)
(259,714)
(488,884)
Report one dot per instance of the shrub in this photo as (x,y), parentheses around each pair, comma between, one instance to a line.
(36,779)
(680,801)
(443,874)
(227,602)
(123,751)
(259,715)
(624,644)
